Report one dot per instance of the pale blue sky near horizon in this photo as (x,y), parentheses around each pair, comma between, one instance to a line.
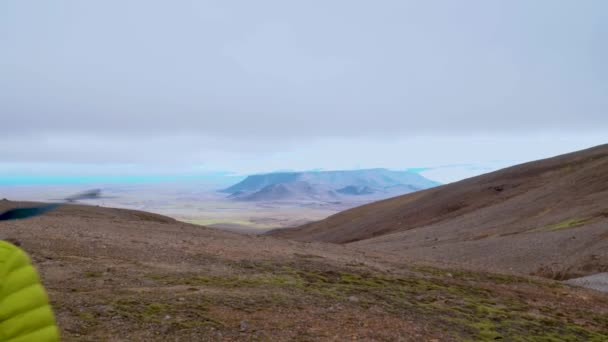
(172,88)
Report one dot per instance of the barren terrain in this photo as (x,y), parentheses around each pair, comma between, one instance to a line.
(188,202)
(545,218)
(118,275)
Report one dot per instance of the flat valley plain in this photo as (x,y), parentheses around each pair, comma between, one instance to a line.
(192,203)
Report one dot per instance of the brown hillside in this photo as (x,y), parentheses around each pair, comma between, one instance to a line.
(89,212)
(547,217)
(117,275)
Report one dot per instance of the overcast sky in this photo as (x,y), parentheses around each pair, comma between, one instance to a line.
(143,86)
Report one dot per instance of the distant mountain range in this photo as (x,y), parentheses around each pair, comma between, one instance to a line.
(328,185)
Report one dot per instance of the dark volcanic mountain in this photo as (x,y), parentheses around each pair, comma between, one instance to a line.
(327,185)
(356,190)
(287,191)
(547,217)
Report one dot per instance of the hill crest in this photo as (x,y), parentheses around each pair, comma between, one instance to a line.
(545,217)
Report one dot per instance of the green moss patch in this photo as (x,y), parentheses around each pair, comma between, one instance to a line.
(452,303)
(572,223)
(91,274)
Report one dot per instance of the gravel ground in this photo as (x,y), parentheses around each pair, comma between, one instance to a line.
(121,275)
(598,281)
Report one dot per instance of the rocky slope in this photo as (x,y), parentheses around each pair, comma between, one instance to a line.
(116,275)
(547,217)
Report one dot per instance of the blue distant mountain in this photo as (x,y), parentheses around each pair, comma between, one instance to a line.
(327,185)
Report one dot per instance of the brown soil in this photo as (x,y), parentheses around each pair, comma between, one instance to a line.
(546,218)
(118,275)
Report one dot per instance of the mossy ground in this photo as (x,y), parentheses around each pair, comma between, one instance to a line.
(571,223)
(468,312)
(309,297)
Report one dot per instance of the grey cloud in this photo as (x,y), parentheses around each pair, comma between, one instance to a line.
(276,71)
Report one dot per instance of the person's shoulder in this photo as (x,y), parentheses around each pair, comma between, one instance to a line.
(6,246)
(11,254)
(16,269)
(25,314)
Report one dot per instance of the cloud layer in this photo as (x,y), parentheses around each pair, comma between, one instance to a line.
(238,79)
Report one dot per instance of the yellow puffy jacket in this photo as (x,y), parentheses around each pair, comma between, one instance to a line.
(25,314)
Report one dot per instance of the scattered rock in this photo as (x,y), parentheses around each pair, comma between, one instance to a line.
(335,308)
(148,282)
(103,308)
(498,188)
(353,299)
(244,326)
(375,309)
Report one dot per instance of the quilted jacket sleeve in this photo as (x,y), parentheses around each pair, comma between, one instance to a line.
(25,314)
